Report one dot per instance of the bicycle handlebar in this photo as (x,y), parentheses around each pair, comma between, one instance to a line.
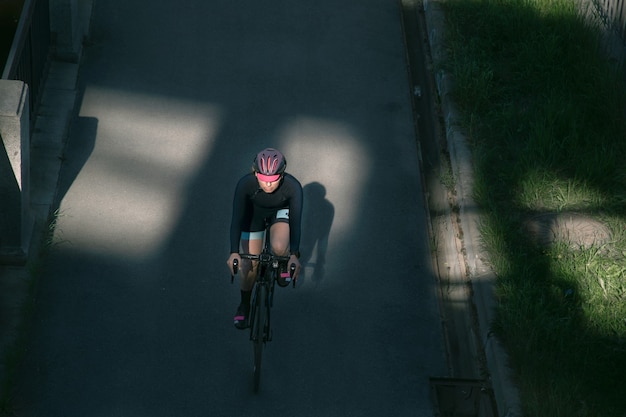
(264,258)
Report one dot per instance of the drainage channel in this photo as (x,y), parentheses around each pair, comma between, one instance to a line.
(458,397)
(466,391)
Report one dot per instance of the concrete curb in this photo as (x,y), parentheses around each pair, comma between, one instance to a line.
(51,131)
(482,278)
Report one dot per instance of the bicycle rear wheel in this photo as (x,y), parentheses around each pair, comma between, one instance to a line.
(258,336)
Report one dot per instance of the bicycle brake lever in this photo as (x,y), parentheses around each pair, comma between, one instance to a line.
(235,270)
(292,270)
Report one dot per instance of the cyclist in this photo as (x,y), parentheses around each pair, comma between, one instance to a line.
(267,192)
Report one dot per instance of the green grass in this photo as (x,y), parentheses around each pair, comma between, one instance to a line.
(545,115)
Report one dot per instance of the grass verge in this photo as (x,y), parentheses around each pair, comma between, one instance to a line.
(545,114)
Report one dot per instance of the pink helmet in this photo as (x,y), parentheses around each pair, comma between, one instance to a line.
(269,164)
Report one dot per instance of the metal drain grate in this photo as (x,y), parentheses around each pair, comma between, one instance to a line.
(457,397)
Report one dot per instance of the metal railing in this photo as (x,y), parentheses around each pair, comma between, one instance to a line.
(30,50)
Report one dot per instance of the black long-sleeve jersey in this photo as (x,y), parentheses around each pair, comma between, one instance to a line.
(251,205)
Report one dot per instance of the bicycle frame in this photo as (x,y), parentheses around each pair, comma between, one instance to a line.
(262,298)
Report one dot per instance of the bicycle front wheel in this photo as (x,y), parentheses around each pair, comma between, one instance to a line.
(258,336)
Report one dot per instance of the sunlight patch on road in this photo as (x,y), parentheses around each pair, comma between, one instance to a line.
(128,195)
(330,153)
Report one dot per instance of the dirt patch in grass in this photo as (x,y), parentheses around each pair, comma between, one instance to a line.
(577,230)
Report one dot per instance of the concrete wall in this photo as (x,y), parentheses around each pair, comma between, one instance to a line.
(16,218)
(69,25)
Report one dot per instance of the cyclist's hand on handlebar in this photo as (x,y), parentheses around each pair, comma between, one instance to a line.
(293,260)
(231,260)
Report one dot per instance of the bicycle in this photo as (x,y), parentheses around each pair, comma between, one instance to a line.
(262,298)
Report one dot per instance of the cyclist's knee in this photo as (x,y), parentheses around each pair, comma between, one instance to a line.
(280,244)
(280,238)
(280,248)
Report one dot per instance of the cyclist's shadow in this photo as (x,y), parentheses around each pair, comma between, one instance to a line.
(317,219)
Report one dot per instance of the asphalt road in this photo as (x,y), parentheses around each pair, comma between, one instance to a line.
(134,307)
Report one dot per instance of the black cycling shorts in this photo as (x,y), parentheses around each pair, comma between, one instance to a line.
(255,224)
